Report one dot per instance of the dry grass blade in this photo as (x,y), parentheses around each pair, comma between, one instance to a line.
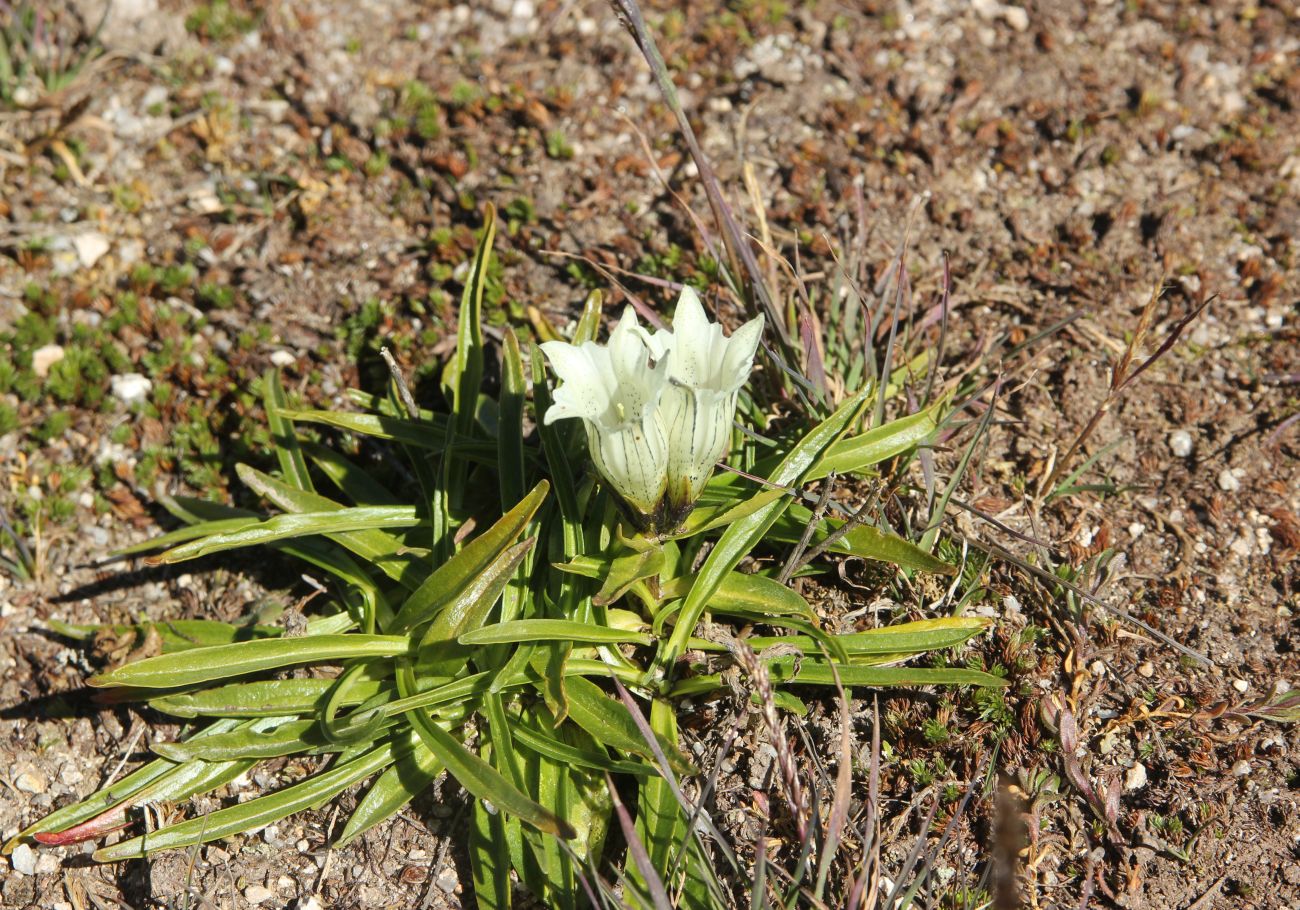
(658,893)
(839,814)
(743,263)
(793,786)
(1123,375)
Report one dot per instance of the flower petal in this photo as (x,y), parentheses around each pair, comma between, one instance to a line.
(739,357)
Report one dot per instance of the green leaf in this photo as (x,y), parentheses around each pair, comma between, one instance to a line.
(300,524)
(385,551)
(469,330)
(610,723)
(432,436)
(741,594)
(856,453)
(224,661)
(268,738)
(903,638)
(255,813)
(625,571)
(452,579)
(709,516)
(864,541)
(473,773)
(409,776)
(354,482)
(545,744)
(192,532)
(176,634)
(116,794)
(441,653)
(283,438)
(741,536)
(264,698)
(510,437)
(818,673)
(550,630)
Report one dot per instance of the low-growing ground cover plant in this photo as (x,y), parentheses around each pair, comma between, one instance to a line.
(525,624)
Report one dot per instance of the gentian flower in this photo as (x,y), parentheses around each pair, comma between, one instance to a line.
(615,389)
(658,408)
(705,373)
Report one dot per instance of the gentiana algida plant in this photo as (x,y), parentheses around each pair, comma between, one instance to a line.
(511,626)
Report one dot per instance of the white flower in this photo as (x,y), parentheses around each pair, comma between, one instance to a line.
(658,408)
(705,373)
(615,389)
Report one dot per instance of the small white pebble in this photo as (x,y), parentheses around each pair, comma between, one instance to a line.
(1180,443)
(447,880)
(45,357)
(1097,668)
(258,894)
(1240,685)
(23,860)
(90,247)
(283,359)
(1241,768)
(30,782)
(1136,530)
(311,903)
(1016,17)
(1136,778)
(131,388)
(46,864)
(1228,481)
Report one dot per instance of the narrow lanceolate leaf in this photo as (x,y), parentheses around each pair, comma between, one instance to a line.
(410,775)
(186,780)
(192,532)
(904,638)
(469,330)
(224,661)
(396,429)
(115,794)
(285,441)
(510,435)
(864,541)
(711,516)
(453,578)
(175,635)
(302,524)
(741,537)
(441,654)
(387,552)
(263,740)
(747,595)
(856,453)
(550,630)
(264,698)
(255,813)
(473,773)
(610,723)
(355,482)
(818,673)
(625,571)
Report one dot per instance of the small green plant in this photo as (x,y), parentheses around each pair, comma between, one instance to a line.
(510,623)
(43,49)
(220,20)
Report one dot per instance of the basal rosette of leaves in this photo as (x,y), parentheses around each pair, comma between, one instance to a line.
(508,627)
